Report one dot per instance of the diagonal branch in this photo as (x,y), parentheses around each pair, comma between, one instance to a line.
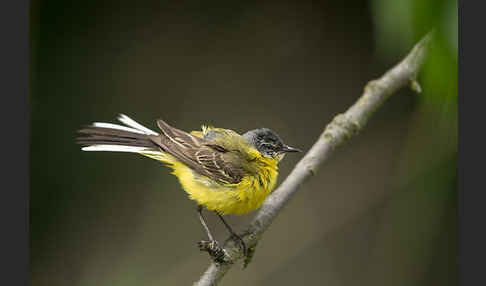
(338,131)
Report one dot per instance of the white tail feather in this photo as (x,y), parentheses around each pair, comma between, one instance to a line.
(134,127)
(116,126)
(132,123)
(120,148)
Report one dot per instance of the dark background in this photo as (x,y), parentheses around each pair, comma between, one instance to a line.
(382,210)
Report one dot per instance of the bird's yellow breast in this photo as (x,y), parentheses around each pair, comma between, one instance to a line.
(240,198)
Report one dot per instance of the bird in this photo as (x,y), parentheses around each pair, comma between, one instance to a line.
(221,170)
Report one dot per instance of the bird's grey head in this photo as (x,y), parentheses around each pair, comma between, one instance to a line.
(268,143)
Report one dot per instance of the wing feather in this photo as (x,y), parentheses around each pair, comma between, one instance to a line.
(203,156)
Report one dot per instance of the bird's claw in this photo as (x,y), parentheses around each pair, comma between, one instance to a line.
(240,242)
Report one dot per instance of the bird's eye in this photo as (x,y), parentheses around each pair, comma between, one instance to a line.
(267,146)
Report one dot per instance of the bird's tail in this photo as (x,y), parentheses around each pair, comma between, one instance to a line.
(133,137)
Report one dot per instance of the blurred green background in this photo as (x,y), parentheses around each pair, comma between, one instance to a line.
(383,209)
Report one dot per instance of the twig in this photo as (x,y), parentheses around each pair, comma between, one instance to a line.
(338,131)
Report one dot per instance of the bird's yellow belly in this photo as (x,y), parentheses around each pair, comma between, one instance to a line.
(240,198)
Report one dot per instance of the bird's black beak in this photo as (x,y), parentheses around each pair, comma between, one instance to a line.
(288,149)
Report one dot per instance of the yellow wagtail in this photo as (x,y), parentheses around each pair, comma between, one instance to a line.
(219,169)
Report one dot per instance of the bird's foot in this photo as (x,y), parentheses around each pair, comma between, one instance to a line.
(240,242)
(249,251)
(218,253)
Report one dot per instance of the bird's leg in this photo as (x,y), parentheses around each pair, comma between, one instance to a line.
(232,233)
(211,246)
(204,224)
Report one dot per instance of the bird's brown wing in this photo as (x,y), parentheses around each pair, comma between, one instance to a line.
(203,156)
